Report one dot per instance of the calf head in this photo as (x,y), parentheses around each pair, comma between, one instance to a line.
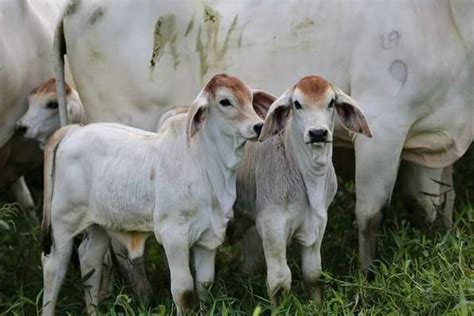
(311,105)
(42,117)
(228,107)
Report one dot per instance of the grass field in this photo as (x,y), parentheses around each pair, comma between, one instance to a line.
(418,273)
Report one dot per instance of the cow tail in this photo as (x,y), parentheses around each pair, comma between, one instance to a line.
(49,171)
(59,52)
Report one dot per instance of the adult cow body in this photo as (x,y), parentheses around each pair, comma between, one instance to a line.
(26,60)
(409,64)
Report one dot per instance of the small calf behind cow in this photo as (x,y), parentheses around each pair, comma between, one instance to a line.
(21,154)
(42,118)
(286,183)
(127,183)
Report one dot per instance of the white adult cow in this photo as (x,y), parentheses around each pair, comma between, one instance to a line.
(409,64)
(26,60)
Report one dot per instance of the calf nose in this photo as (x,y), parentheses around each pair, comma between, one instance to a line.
(21,129)
(258,128)
(318,135)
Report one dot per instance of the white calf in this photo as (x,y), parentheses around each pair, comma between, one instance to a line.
(286,183)
(124,182)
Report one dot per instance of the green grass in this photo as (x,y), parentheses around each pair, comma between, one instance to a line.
(418,273)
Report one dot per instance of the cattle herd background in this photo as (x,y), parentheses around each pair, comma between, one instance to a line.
(235,158)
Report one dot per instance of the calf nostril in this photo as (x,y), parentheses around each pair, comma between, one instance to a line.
(258,128)
(318,135)
(21,129)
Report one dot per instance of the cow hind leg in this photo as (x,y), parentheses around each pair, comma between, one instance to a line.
(448,196)
(377,162)
(91,254)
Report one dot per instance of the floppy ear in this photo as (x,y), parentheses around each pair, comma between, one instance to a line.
(277,115)
(196,115)
(75,112)
(350,114)
(262,101)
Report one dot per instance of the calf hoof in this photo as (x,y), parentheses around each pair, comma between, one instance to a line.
(315,292)
(184,300)
(278,296)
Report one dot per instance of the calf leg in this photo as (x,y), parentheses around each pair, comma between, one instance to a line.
(54,268)
(133,272)
(23,196)
(274,239)
(91,255)
(311,265)
(251,250)
(204,264)
(177,253)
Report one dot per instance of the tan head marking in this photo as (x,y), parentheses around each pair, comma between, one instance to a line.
(49,87)
(313,88)
(234,85)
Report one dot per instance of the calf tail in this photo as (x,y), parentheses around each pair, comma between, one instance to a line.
(49,171)
(59,52)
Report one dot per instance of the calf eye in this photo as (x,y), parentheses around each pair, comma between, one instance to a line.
(225,102)
(297,105)
(52,105)
(331,103)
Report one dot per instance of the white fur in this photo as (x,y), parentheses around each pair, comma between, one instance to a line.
(286,184)
(128,180)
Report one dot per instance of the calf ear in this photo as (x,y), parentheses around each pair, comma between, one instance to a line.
(350,114)
(74,112)
(196,115)
(262,101)
(277,115)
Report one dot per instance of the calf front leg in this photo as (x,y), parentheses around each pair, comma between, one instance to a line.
(23,196)
(204,264)
(273,231)
(177,253)
(311,265)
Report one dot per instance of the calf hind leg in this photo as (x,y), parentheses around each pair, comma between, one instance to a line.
(54,269)
(91,255)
